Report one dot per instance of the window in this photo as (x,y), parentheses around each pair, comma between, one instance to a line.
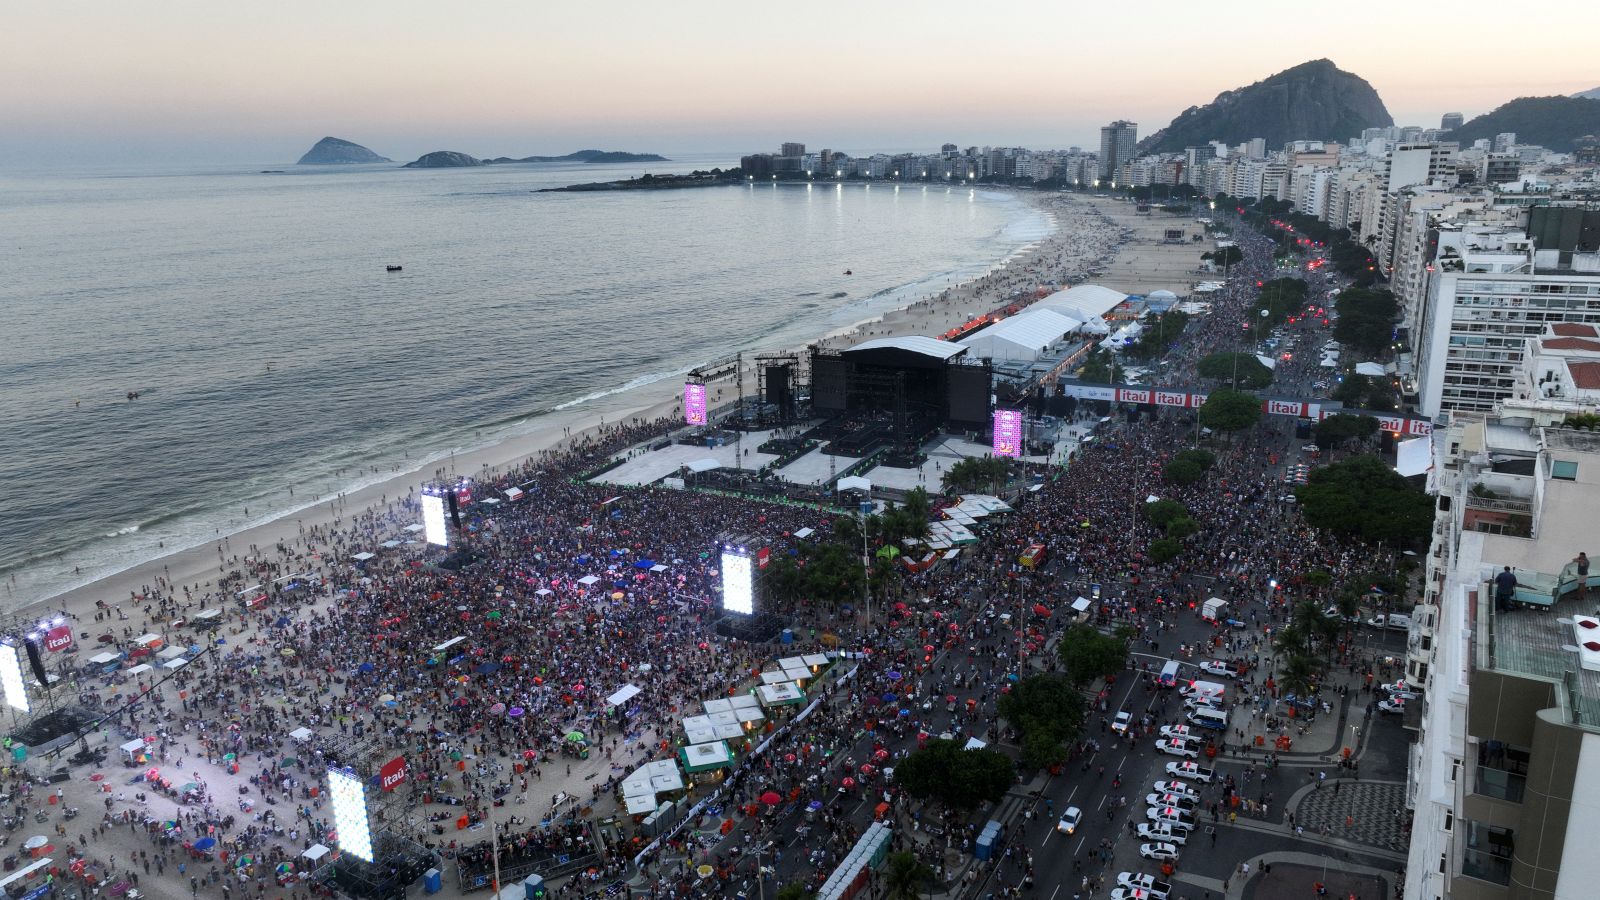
(1566,471)
(1488,853)
(1502,771)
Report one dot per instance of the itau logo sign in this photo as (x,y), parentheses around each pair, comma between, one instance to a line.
(392,774)
(58,638)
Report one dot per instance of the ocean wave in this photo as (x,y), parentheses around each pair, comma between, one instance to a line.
(639,382)
(131,529)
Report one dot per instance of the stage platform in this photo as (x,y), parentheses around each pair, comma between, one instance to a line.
(652,466)
(816,467)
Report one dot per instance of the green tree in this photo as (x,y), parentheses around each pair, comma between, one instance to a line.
(976,474)
(1366,320)
(1363,497)
(1337,429)
(1182,527)
(1101,366)
(1239,370)
(1049,712)
(905,877)
(1162,512)
(1298,674)
(1182,472)
(1205,459)
(1230,255)
(1164,550)
(793,891)
(1087,654)
(1157,335)
(960,779)
(1229,411)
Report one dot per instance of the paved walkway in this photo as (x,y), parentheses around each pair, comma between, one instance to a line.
(1288,881)
(1370,806)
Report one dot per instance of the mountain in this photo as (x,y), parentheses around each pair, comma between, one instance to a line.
(1551,122)
(1314,101)
(443,159)
(332,151)
(1589,95)
(587,156)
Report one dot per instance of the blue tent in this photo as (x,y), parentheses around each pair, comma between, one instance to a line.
(487,668)
(365,668)
(645,564)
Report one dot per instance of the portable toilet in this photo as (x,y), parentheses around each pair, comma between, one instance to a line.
(533,888)
(432,881)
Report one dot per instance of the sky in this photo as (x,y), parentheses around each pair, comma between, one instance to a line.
(195,81)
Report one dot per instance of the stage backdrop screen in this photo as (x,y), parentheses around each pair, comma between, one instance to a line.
(1008,432)
(350,813)
(738,588)
(694,404)
(11,678)
(433,528)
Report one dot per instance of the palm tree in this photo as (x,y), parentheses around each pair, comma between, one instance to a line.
(905,876)
(1297,674)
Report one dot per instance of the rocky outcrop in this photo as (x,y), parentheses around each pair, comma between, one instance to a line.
(332,151)
(1314,101)
(1554,123)
(443,159)
(585,156)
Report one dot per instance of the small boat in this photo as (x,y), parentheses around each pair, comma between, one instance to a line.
(392,268)
(848,272)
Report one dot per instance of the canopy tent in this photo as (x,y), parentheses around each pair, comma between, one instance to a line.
(414,527)
(818,661)
(952,553)
(178,663)
(704,464)
(105,659)
(776,676)
(134,746)
(543,592)
(657,569)
(589,580)
(301,734)
(706,757)
(640,804)
(363,557)
(854,483)
(440,648)
(170,653)
(1267,361)
(513,493)
(315,852)
(708,728)
(1080,605)
(1083,302)
(389,545)
(1370,368)
(657,777)
(206,615)
(623,695)
(803,533)
(140,669)
(1022,337)
(785,694)
(739,710)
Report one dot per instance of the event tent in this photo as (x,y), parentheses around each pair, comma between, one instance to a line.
(1022,337)
(706,757)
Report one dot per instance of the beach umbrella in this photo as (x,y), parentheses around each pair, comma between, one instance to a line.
(515,712)
(386,698)
(892,676)
(575,736)
(229,756)
(891,698)
(880,754)
(771,798)
(866,769)
(848,783)
(497,709)
(788,757)
(366,667)
(35,842)
(287,651)
(205,843)
(495,614)
(872,700)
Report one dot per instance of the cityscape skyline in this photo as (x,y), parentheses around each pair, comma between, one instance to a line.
(186,84)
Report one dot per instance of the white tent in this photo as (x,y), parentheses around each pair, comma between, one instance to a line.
(1022,337)
(315,852)
(1267,361)
(362,557)
(1083,302)
(1370,368)
(589,580)
(414,527)
(854,483)
(623,695)
(140,669)
(301,734)
(389,545)
(705,464)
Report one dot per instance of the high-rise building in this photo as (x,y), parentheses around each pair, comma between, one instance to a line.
(793,149)
(1117,146)
(1451,121)
(1505,141)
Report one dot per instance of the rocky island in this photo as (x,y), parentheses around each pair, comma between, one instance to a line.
(332,151)
(450,159)
(443,159)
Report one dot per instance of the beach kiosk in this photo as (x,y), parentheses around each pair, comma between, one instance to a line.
(149,643)
(105,663)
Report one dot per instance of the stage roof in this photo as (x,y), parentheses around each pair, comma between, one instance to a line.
(1083,301)
(925,346)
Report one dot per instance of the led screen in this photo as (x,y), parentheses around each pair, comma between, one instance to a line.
(11,675)
(694,404)
(737,593)
(433,520)
(1008,432)
(350,813)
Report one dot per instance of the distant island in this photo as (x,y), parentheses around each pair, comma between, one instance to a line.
(332,151)
(649,182)
(444,159)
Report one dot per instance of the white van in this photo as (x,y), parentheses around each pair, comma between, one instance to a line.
(1396,621)
(1169,673)
(1206,689)
(1206,717)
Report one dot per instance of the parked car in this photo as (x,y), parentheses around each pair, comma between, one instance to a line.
(1173,816)
(1209,702)
(1391,705)
(1175,787)
(1395,621)
(1178,731)
(1185,802)
(1178,747)
(1191,771)
(1162,832)
(1158,851)
(1145,882)
(1068,823)
(1220,669)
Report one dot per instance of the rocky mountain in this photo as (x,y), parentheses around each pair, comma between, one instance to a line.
(1551,122)
(1589,95)
(332,151)
(1315,101)
(443,159)
(586,156)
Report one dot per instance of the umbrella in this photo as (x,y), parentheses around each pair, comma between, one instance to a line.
(205,843)
(287,651)
(891,698)
(872,700)
(386,698)
(191,786)
(36,842)
(788,757)
(487,668)
(230,756)
(497,709)
(514,712)
(365,668)
(771,798)
(892,676)
(880,754)
(617,595)
(848,782)
(575,736)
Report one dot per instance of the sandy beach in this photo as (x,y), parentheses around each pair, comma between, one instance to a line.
(1087,236)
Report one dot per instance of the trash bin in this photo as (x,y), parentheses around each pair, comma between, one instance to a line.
(432,882)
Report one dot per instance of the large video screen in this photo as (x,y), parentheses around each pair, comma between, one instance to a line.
(433,527)
(738,588)
(350,813)
(694,404)
(11,678)
(1008,433)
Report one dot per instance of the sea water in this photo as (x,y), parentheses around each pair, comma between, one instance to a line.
(270,349)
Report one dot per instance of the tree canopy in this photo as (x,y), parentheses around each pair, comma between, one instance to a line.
(1230,255)
(1049,712)
(976,473)
(1239,370)
(1227,410)
(960,779)
(1362,496)
(1088,654)
(1366,320)
(1337,429)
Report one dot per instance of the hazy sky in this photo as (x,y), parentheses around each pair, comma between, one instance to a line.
(230,81)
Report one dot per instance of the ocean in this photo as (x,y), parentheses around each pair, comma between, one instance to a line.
(271,350)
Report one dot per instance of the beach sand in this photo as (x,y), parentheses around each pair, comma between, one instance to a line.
(1087,236)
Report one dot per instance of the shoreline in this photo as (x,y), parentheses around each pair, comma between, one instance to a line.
(197,564)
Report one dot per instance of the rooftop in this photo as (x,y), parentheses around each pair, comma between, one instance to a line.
(1570,343)
(1541,643)
(1574,329)
(1585,375)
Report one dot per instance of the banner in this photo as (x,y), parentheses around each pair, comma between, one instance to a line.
(694,404)
(58,638)
(393,773)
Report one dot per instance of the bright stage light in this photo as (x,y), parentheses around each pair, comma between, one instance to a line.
(694,404)
(1008,433)
(738,594)
(350,813)
(433,527)
(11,679)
